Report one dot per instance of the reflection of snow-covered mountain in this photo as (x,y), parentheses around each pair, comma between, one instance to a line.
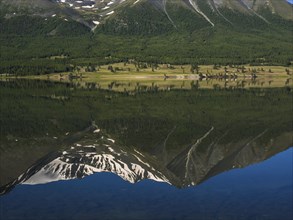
(81,161)
(90,4)
(93,151)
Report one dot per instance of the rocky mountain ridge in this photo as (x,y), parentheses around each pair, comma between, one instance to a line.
(96,12)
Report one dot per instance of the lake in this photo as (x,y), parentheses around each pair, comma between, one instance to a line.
(70,152)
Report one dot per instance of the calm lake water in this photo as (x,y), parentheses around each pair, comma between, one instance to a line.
(76,153)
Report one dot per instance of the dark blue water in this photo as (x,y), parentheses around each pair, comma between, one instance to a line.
(259,191)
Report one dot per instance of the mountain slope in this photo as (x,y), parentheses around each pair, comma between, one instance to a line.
(97,11)
(209,32)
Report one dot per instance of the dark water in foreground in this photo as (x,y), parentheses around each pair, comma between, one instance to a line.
(70,153)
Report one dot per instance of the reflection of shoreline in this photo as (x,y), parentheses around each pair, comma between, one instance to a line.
(159,83)
(179,82)
(130,77)
(172,81)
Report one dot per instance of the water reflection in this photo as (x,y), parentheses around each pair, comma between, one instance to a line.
(70,153)
(179,137)
(94,151)
(164,83)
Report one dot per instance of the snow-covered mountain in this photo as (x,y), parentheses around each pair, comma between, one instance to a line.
(108,7)
(96,12)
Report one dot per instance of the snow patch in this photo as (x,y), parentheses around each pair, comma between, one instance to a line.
(109,13)
(96,23)
(97,130)
(136,2)
(109,139)
(107,7)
